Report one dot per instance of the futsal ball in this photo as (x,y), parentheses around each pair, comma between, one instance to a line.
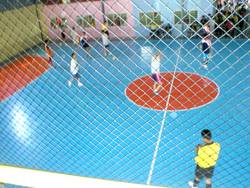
(173,115)
(114,58)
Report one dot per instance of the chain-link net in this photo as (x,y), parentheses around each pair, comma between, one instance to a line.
(121,89)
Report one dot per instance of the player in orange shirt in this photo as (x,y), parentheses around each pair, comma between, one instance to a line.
(48,51)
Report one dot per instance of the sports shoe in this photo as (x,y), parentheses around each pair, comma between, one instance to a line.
(191,184)
(80,84)
(156,92)
(69,83)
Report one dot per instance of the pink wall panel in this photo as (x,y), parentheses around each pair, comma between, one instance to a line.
(121,6)
(71,11)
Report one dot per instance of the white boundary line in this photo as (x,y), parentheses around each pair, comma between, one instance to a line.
(194,108)
(45,179)
(162,123)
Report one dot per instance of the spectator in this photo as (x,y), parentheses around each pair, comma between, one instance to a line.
(204,20)
(168,30)
(194,27)
(219,4)
(229,27)
(154,27)
(242,12)
(218,24)
(235,20)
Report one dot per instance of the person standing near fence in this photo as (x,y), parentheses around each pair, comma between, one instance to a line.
(207,156)
(48,51)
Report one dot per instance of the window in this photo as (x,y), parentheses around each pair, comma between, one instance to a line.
(148,18)
(65,1)
(58,22)
(193,14)
(117,19)
(86,21)
(178,17)
(186,17)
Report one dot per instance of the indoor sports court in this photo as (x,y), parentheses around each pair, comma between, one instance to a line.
(124,93)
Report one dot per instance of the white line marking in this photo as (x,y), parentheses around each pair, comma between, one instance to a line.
(45,179)
(162,124)
(193,108)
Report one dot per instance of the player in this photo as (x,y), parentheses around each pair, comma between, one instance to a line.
(48,51)
(104,28)
(83,42)
(155,70)
(207,156)
(105,42)
(74,69)
(206,44)
(206,49)
(63,35)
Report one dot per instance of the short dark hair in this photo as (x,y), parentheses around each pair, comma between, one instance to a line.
(46,41)
(206,134)
(73,54)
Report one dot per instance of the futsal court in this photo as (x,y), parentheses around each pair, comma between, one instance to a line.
(115,127)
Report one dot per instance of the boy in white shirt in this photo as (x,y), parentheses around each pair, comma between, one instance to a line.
(155,70)
(74,69)
(105,42)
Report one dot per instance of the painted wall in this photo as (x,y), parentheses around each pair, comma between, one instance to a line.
(167,9)
(71,11)
(121,6)
(19,31)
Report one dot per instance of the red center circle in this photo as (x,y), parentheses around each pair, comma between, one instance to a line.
(188,91)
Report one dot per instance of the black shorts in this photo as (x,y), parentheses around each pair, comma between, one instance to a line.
(156,77)
(106,32)
(76,76)
(85,45)
(204,172)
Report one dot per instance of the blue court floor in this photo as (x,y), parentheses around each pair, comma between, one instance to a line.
(96,131)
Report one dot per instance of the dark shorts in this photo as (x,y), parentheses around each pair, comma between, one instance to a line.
(76,76)
(204,172)
(86,45)
(106,46)
(156,78)
(106,32)
(50,60)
